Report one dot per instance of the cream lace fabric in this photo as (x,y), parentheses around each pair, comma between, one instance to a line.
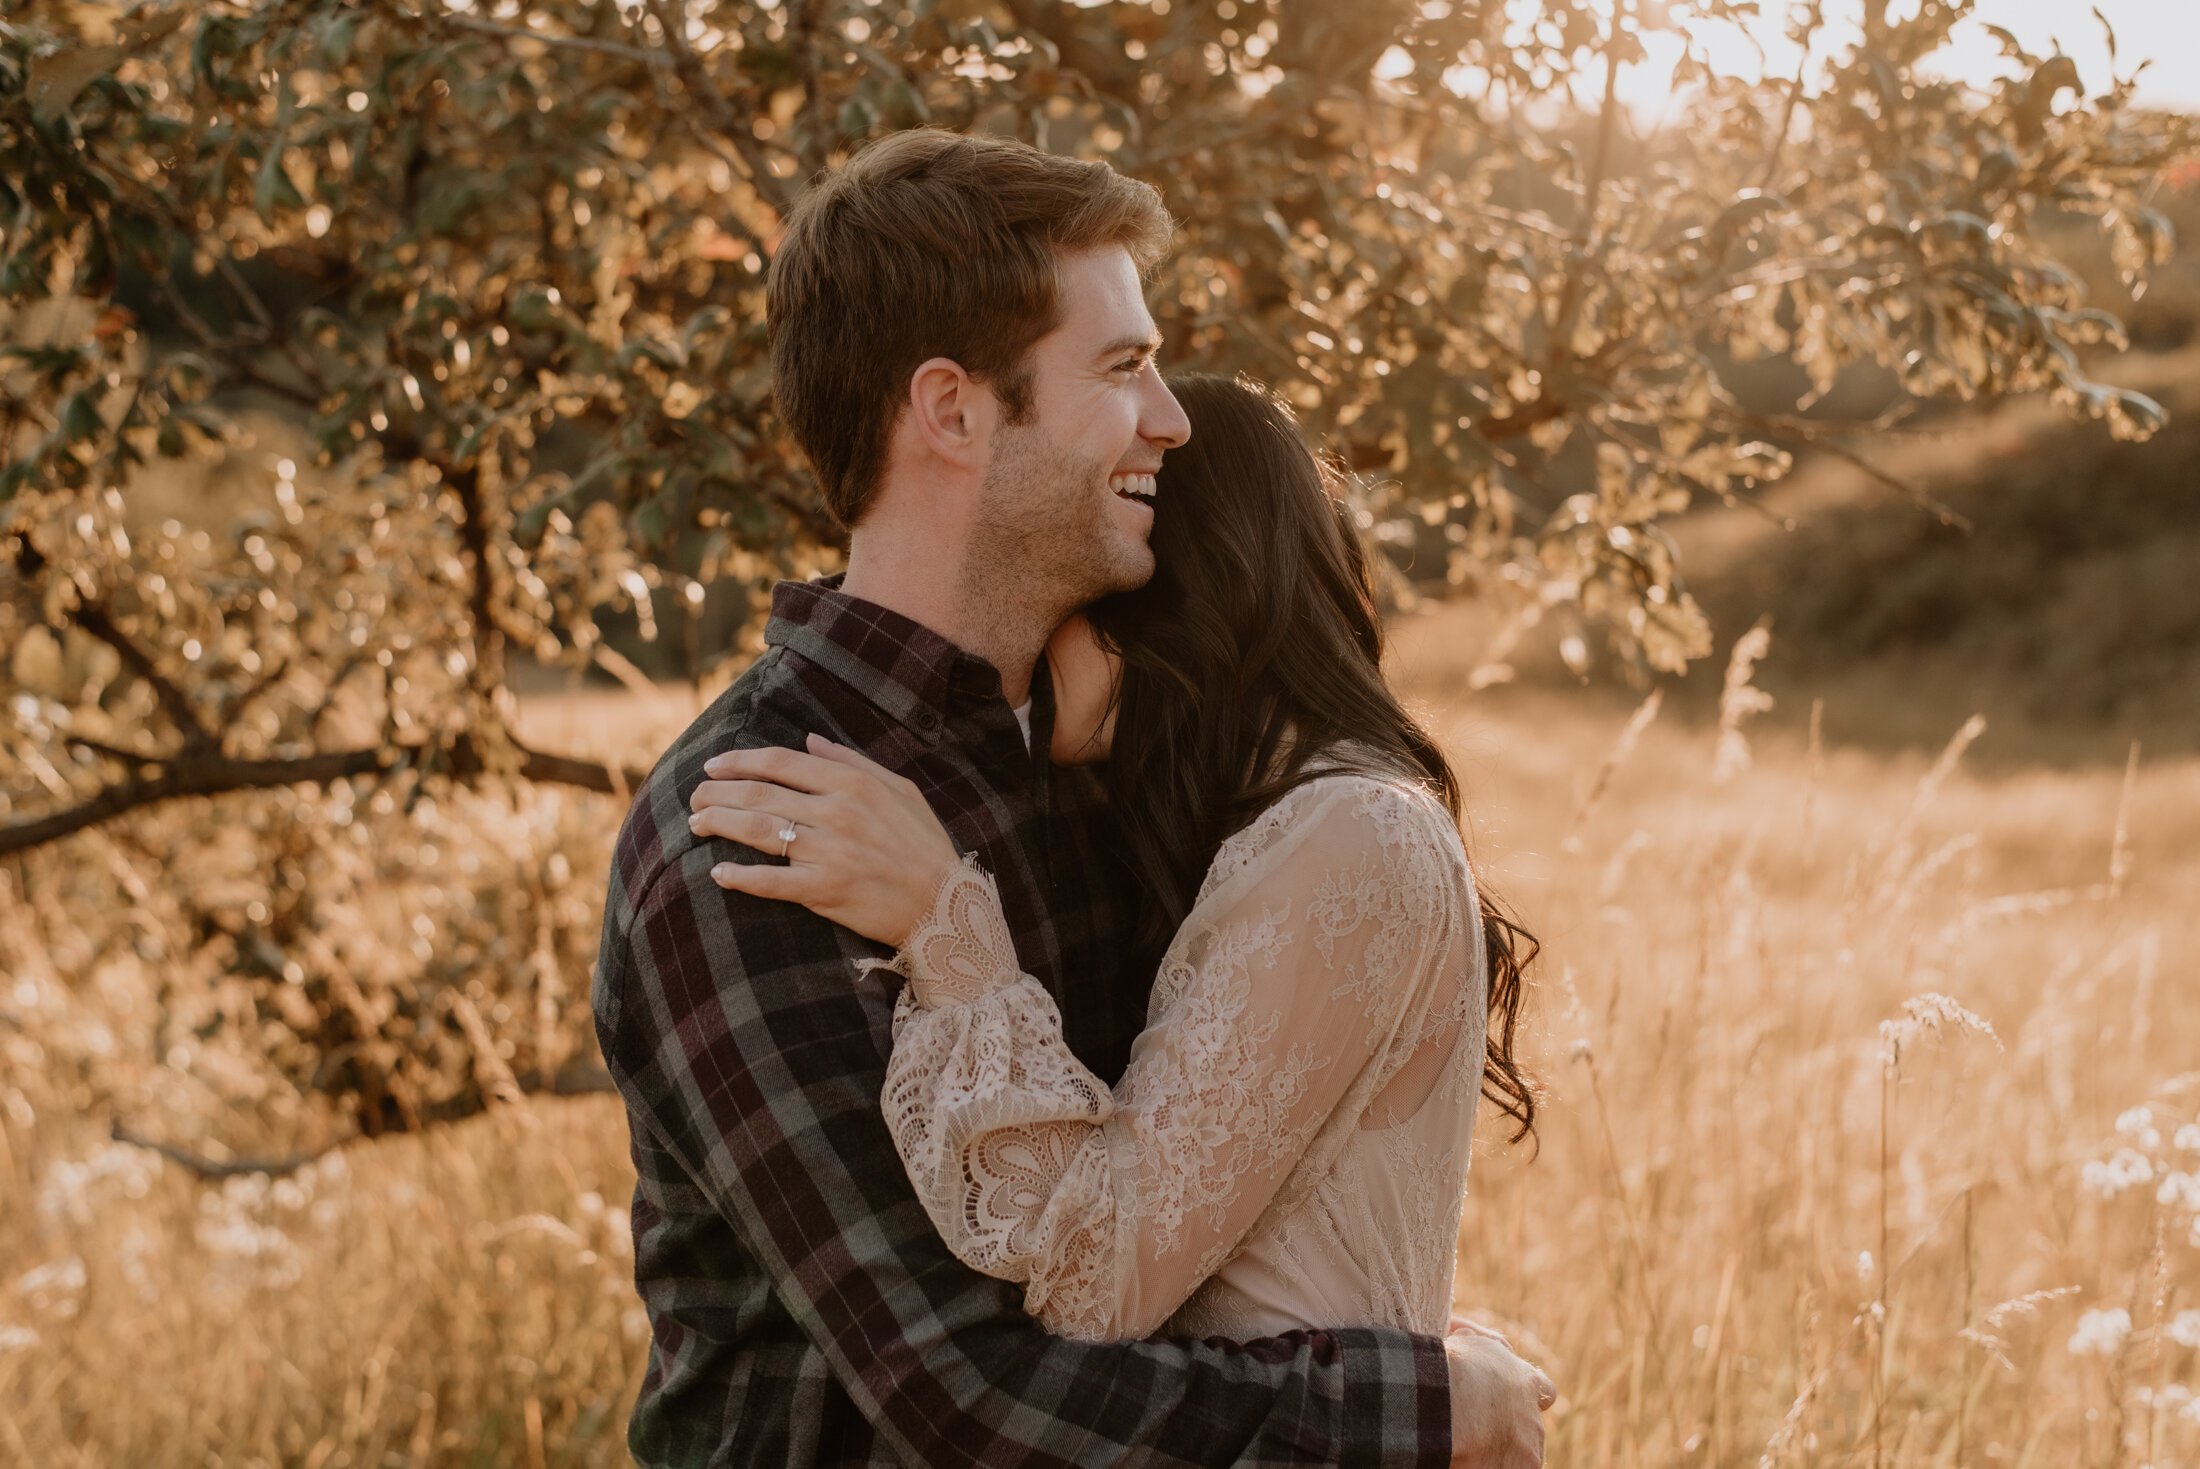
(1289,1145)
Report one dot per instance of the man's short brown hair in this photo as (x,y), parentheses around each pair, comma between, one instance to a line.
(929,244)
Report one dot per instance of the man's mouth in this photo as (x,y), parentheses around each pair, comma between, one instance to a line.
(1139,487)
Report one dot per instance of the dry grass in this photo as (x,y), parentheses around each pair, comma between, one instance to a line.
(1729,1132)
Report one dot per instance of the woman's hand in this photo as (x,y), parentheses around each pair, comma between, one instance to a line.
(1086,680)
(867,851)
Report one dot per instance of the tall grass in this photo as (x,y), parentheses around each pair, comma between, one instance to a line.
(1792,1205)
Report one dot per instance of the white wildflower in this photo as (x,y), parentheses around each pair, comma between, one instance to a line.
(138,1254)
(72,1190)
(2181,1190)
(2184,1329)
(2137,1123)
(330,1168)
(246,1191)
(2126,1168)
(2188,1137)
(1864,1264)
(262,1247)
(16,1338)
(2101,1333)
(618,1228)
(241,1238)
(52,1289)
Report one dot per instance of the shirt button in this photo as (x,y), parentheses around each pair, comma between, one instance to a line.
(928,720)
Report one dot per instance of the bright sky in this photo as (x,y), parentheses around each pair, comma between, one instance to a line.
(2165,32)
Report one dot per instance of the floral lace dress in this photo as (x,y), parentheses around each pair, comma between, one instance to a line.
(1289,1145)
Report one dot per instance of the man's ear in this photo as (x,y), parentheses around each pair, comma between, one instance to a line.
(952,415)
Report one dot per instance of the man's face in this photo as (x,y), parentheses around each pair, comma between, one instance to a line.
(1065,506)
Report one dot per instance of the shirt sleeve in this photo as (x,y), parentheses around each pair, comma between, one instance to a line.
(1299,984)
(746,1046)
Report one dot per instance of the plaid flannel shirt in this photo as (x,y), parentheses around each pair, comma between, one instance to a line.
(803,1310)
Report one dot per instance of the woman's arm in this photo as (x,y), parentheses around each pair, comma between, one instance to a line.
(1299,985)
(1364,923)
(1298,971)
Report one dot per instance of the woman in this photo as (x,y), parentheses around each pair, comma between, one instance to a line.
(1289,1144)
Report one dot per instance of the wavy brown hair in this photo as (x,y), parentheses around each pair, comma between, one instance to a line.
(1255,648)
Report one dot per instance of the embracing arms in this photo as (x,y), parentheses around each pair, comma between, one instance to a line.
(752,1057)
(1302,982)
(840,803)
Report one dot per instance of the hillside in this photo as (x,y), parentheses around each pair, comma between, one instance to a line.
(2069,607)
(2065,606)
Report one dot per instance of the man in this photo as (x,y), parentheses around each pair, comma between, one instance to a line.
(960,344)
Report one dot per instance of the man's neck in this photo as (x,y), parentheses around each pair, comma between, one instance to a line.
(905,574)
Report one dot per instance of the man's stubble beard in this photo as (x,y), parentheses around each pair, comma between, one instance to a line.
(1043,540)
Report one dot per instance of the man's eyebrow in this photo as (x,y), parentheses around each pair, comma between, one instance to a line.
(1146,342)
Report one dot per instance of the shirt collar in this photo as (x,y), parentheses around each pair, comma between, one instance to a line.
(909,671)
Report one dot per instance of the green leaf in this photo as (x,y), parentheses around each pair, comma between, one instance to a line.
(338,32)
(272,179)
(80,417)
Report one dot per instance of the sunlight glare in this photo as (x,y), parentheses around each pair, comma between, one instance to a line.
(2146,31)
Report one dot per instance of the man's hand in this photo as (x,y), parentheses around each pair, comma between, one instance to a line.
(1497,1401)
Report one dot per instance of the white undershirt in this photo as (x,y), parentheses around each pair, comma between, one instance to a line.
(1023,720)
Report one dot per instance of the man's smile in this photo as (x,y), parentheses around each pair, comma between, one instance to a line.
(1134,486)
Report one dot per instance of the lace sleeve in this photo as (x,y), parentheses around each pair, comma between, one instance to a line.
(1297,986)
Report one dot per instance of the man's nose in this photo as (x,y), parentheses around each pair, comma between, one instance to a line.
(1161,420)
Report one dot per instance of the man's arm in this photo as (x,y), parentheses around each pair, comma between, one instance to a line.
(737,1027)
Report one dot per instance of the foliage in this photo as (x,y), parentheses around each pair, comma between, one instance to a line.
(503,265)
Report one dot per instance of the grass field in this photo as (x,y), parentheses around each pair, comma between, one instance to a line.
(1781,1198)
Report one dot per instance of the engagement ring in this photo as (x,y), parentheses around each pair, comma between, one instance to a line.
(786,838)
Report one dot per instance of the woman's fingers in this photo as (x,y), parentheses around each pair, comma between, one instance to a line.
(758,829)
(795,768)
(760,795)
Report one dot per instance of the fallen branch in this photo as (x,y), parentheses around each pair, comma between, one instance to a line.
(197,771)
(583,1081)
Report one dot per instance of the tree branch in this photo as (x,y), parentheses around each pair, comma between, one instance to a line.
(1816,437)
(1064,28)
(1524,417)
(473,534)
(803,27)
(582,1081)
(671,18)
(93,619)
(590,44)
(1794,96)
(205,772)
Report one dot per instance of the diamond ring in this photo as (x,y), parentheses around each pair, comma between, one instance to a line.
(787,835)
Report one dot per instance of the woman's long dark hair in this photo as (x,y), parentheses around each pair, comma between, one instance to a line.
(1255,648)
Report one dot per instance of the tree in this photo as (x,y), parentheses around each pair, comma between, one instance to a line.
(502,266)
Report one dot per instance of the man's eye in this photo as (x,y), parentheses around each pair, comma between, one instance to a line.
(1131,365)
